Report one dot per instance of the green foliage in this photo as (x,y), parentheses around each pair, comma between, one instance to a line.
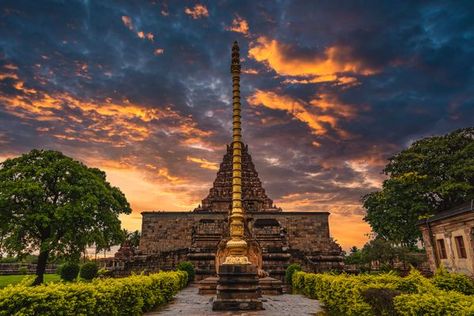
(450,281)
(381,300)
(23,270)
(439,303)
(385,253)
(378,294)
(21,259)
(133,295)
(189,268)
(133,238)
(414,282)
(57,206)
(104,273)
(69,271)
(292,268)
(6,280)
(354,257)
(89,271)
(433,174)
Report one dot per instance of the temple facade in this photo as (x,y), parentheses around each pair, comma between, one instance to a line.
(275,238)
(284,237)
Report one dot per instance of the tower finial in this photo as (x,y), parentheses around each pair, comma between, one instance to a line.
(237,246)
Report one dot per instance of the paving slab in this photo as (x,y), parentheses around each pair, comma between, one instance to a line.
(188,302)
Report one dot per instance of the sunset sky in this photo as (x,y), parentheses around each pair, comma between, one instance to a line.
(142,90)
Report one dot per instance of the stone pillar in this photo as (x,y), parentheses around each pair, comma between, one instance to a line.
(237,286)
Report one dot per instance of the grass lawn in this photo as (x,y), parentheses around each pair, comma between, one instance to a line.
(13,279)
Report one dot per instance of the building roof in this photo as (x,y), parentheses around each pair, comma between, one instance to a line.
(460,209)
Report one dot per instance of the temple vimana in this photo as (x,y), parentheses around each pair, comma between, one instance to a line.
(276,238)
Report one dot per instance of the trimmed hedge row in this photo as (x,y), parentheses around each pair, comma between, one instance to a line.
(124,296)
(412,295)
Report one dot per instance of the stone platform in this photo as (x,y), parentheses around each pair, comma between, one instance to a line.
(189,303)
(268,286)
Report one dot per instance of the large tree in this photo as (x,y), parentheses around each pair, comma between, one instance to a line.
(433,174)
(56,206)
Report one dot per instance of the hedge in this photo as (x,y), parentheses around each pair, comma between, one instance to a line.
(344,294)
(189,268)
(440,303)
(132,295)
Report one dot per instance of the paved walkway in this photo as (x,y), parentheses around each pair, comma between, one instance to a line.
(188,302)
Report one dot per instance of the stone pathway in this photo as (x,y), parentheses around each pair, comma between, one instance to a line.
(188,302)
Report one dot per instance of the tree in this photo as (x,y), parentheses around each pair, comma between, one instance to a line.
(354,257)
(54,205)
(133,238)
(433,174)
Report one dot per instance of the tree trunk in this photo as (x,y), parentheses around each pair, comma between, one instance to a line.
(41,267)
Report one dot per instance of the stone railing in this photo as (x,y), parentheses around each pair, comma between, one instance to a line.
(21,268)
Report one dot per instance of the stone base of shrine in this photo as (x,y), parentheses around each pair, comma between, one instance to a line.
(237,288)
(268,286)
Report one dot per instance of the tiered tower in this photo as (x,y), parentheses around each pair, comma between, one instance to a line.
(254,197)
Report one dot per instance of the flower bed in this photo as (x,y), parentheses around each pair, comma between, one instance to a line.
(386,294)
(122,296)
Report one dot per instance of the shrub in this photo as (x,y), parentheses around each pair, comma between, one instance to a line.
(297,281)
(23,270)
(292,268)
(132,295)
(367,294)
(445,280)
(104,273)
(69,271)
(88,271)
(381,300)
(414,282)
(438,303)
(189,268)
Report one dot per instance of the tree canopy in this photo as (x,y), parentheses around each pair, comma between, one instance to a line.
(55,205)
(433,174)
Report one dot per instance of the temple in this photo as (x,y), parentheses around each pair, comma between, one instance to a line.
(274,238)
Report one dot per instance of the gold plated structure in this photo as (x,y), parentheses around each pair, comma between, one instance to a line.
(237,246)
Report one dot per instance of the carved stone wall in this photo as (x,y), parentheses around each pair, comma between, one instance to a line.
(284,237)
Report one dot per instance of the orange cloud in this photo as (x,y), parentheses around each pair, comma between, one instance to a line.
(203,163)
(250,71)
(127,21)
(150,36)
(239,25)
(319,114)
(197,12)
(335,61)
(159,51)
(114,123)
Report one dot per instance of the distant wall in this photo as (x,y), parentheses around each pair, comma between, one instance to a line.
(14,268)
(167,231)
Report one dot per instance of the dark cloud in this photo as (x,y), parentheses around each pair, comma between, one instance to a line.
(146,84)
